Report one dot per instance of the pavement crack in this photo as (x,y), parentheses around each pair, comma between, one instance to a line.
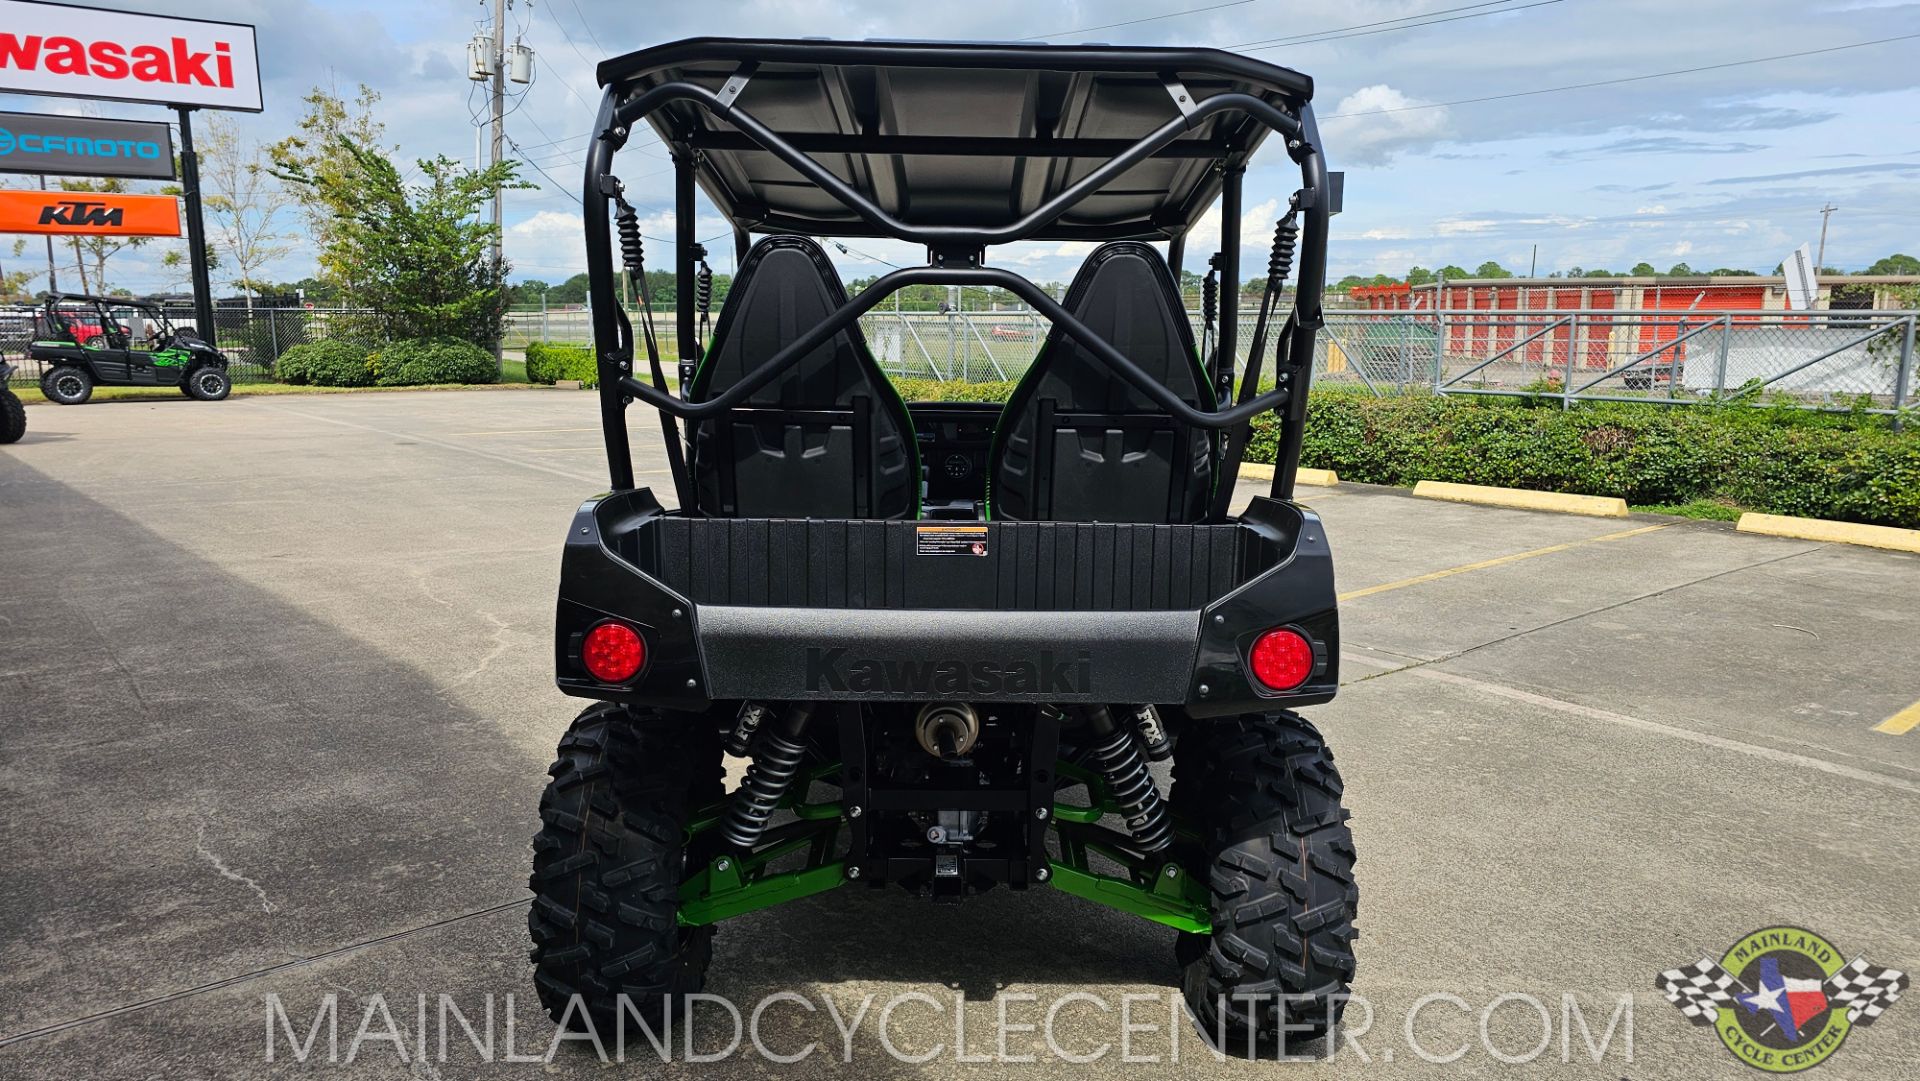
(220,865)
(1588,614)
(501,629)
(258,973)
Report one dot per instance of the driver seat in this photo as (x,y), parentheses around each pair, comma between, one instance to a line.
(1076,441)
(827,438)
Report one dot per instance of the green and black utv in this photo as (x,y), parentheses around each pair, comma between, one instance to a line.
(949,638)
(84,341)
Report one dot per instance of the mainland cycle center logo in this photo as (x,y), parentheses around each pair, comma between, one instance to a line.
(1783,999)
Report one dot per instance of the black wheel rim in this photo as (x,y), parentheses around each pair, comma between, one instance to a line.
(68,386)
(210,383)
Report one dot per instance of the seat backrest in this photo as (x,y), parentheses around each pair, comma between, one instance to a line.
(1077,442)
(828,437)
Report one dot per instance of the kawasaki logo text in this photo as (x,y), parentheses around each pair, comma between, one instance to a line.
(175,62)
(833,670)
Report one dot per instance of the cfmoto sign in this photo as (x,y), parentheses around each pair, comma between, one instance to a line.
(80,146)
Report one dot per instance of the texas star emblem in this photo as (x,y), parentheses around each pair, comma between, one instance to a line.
(1783,999)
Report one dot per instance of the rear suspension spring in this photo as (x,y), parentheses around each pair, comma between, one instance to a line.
(1131,787)
(778,752)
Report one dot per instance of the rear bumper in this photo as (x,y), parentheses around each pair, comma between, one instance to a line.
(1053,612)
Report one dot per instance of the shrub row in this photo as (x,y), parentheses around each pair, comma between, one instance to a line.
(551,363)
(1780,460)
(410,363)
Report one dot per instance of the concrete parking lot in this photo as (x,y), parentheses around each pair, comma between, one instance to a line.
(276,707)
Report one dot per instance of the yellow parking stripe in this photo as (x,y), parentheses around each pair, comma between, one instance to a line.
(1902,722)
(1499,561)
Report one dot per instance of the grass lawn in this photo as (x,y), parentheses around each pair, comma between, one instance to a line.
(1710,509)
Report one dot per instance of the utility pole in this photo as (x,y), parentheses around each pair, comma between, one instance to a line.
(1533,264)
(499,137)
(1820,259)
(490,59)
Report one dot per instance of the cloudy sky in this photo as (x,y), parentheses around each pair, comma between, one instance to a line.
(1452,155)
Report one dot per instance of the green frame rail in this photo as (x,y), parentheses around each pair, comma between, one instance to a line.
(735,883)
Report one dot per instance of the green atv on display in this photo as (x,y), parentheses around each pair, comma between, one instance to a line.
(84,341)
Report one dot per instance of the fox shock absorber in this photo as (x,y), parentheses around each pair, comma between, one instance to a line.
(1116,754)
(777,753)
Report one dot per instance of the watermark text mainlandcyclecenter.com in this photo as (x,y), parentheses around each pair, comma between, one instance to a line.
(914,1027)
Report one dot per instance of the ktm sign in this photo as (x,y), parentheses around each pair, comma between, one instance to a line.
(67,213)
(91,53)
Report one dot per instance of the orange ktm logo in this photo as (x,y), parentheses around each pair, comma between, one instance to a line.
(85,213)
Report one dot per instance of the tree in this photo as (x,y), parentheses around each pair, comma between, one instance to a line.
(13,283)
(1451,273)
(243,199)
(1419,275)
(1731,272)
(1679,270)
(420,255)
(98,248)
(1491,269)
(318,162)
(1895,264)
(1643,269)
(1598,272)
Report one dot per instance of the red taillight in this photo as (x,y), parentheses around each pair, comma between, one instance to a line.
(1282,659)
(613,652)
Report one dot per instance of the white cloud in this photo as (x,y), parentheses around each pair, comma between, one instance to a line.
(1372,124)
(1685,247)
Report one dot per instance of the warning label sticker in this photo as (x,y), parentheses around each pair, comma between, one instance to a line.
(950,540)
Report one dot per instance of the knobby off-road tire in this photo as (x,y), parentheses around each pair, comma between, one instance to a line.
(608,863)
(209,383)
(1262,792)
(13,417)
(67,385)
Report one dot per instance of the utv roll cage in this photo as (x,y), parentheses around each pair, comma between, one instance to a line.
(830,130)
(50,306)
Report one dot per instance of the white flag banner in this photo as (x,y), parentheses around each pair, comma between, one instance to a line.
(1802,285)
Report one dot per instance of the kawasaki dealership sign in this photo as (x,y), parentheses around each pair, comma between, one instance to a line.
(79,146)
(76,52)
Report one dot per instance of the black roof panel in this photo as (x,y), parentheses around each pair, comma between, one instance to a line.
(958,134)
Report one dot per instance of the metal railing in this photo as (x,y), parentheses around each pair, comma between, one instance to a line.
(1820,359)
(1833,359)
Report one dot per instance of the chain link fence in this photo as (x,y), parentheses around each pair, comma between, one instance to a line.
(1822,359)
(253,339)
(1829,359)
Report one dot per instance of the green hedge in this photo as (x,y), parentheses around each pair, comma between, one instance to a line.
(422,361)
(1777,460)
(1780,460)
(935,390)
(551,363)
(325,364)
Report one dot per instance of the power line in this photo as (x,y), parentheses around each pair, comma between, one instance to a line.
(1359,32)
(1363,26)
(1623,79)
(1136,22)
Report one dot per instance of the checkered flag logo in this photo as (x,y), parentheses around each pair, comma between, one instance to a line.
(1866,990)
(1699,989)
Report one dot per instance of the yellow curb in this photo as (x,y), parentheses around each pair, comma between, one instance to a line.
(1325,478)
(1597,506)
(1819,529)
